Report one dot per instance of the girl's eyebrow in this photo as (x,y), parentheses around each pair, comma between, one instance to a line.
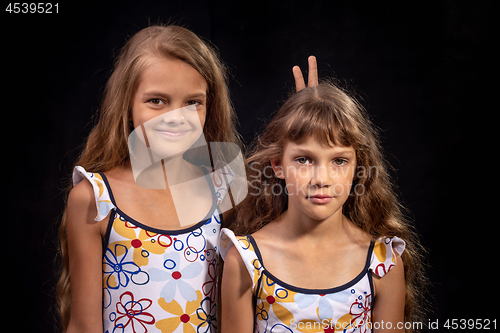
(200,95)
(306,151)
(151,94)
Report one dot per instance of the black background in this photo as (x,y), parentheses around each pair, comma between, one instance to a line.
(423,69)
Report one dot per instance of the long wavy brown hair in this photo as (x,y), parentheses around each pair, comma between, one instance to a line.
(332,116)
(106,146)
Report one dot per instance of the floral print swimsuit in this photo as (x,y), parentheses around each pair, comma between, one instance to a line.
(281,307)
(158,280)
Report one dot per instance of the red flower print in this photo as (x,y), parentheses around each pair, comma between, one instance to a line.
(382,267)
(131,312)
(360,312)
(210,287)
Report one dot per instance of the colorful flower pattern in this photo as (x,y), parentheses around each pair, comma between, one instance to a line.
(283,308)
(132,314)
(153,280)
(187,315)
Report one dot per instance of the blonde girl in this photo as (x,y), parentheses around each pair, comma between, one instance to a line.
(129,263)
(322,242)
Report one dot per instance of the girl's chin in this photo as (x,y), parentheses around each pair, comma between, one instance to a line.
(320,213)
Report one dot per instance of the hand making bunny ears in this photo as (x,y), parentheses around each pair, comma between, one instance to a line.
(312,79)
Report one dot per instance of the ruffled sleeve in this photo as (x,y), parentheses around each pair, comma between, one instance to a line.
(384,254)
(101,193)
(246,250)
(222,179)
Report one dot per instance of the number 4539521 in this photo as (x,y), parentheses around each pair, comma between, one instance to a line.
(32,8)
(477,324)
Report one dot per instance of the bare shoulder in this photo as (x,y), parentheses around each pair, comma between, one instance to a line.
(81,210)
(358,237)
(393,281)
(120,174)
(233,258)
(395,274)
(269,232)
(81,200)
(235,274)
(264,240)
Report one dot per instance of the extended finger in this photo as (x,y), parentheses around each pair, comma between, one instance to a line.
(299,78)
(312,79)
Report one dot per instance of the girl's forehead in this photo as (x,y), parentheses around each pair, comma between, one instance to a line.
(171,69)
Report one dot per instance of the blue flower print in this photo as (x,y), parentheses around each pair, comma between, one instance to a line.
(305,300)
(280,328)
(176,277)
(208,319)
(117,268)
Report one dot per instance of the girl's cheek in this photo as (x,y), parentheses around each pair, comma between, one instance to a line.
(297,186)
(341,190)
(299,173)
(341,185)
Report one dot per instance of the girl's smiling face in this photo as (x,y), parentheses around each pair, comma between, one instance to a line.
(318,176)
(169,106)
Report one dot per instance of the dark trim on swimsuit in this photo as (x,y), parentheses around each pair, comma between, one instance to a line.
(313,291)
(163,231)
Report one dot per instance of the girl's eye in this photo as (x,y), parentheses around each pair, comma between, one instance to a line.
(156,101)
(339,161)
(193,103)
(303,160)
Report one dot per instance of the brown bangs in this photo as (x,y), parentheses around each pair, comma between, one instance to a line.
(321,120)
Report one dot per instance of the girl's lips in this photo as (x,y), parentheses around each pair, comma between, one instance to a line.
(320,198)
(172,134)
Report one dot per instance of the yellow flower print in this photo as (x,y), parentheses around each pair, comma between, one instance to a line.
(143,244)
(345,322)
(100,183)
(380,251)
(104,205)
(272,298)
(246,245)
(314,326)
(326,325)
(187,316)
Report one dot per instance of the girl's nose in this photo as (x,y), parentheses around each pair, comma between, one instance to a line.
(321,176)
(174,117)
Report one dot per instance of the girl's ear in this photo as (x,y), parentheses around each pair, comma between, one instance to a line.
(277,168)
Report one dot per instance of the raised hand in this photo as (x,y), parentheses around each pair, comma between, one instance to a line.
(312,79)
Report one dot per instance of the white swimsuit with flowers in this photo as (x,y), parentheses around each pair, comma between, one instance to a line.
(158,280)
(281,307)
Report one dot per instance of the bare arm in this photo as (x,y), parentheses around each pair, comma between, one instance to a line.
(390,300)
(85,260)
(236,296)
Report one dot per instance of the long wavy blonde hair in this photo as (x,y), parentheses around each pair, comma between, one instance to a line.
(106,146)
(332,116)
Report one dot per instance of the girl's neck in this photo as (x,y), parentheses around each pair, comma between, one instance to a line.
(165,173)
(301,227)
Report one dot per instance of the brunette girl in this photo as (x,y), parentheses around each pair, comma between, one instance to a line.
(323,243)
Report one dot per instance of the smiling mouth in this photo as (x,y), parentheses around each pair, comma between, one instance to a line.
(172,134)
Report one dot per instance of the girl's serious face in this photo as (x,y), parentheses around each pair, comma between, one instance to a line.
(318,177)
(169,106)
